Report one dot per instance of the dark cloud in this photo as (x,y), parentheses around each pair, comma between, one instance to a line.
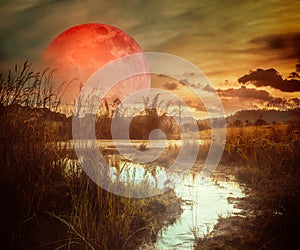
(199,106)
(209,88)
(246,93)
(270,77)
(189,74)
(262,77)
(170,85)
(196,104)
(186,82)
(287,44)
(294,75)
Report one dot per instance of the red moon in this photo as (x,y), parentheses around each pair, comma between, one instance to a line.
(81,50)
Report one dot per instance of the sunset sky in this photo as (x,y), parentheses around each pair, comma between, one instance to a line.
(224,39)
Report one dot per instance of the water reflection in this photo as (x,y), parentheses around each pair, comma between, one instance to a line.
(204,201)
(133,173)
(124,143)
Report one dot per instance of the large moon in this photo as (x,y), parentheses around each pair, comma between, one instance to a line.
(80,51)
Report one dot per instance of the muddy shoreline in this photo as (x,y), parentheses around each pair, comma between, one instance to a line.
(162,210)
(270,217)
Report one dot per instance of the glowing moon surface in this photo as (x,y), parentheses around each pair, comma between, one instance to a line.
(81,50)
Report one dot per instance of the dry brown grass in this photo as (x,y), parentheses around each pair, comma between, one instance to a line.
(42,207)
(267,159)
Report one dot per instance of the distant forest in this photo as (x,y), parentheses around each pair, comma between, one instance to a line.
(45,122)
(256,117)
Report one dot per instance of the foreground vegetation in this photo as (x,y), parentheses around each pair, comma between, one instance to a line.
(267,160)
(44,207)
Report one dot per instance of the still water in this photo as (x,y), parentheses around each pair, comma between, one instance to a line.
(124,143)
(204,200)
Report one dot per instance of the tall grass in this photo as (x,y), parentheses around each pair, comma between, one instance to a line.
(267,159)
(271,150)
(44,207)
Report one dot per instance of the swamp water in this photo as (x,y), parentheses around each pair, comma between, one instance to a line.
(204,201)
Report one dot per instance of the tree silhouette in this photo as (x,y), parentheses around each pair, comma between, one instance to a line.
(260,121)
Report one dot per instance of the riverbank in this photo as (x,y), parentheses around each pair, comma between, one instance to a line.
(268,164)
(161,211)
(270,219)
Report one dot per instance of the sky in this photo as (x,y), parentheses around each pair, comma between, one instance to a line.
(247,49)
